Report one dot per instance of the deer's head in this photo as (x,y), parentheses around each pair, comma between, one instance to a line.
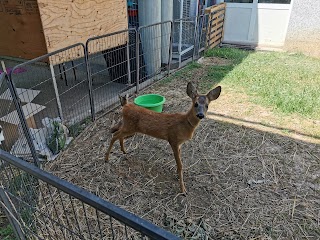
(201,102)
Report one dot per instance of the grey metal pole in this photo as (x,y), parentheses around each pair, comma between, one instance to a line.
(23,121)
(166,15)
(170,48)
(137,60)
(10,214)
(201,32)
(180,32)
(56,92)
(195,36)
(128,60)
(149,15)
(86,59)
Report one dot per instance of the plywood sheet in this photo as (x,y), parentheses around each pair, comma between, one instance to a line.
(66,22)
(20,29)
(29,110)
(25,95)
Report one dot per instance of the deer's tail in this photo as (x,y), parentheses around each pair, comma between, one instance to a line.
(124,99)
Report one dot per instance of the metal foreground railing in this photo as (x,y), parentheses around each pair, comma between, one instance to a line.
(42,206)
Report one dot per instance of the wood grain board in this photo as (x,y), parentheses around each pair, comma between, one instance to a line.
(66,22)
(216,22)
(21,29)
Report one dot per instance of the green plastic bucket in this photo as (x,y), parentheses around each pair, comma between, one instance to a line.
(153,102)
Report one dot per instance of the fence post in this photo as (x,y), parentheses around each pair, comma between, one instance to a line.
(137,59)
(22,118)
(170,47)
(56,92)
(195,42)
(203,19)
(86,59)
(128,60)
(7,207)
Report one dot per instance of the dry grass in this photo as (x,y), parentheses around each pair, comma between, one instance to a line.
(243,183)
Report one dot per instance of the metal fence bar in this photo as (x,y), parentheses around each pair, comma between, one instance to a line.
(203,33)
(128,63)
(56,92)
(184,34)
(152,41)
(137,61)
(75,52)
(22,118)
(123,216)
(92,108)
(7,207)
(50,100)
(170,48)
(111,66)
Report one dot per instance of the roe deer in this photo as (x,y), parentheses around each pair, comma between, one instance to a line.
(176,128)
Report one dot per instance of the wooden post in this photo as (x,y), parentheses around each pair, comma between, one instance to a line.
(3,67)
(216,24)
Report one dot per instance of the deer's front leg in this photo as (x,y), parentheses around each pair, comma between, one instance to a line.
(110,147)
(176,152)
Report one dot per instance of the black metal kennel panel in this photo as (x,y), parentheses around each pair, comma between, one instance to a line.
(154,43)
(42,206)
(54,94)
(56,84)
(112,67)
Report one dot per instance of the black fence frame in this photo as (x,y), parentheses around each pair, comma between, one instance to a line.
(146,228)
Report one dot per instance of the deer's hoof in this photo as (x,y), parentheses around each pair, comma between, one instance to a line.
(184,192)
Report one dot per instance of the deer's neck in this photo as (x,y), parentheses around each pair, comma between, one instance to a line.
(192,119)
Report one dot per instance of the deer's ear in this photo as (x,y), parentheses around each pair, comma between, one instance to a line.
(192,91)
(214,93)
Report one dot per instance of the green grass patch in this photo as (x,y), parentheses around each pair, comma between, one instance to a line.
(234,54)
(289,83)
(79,127)
(6,233)
(25,188)
(180,73)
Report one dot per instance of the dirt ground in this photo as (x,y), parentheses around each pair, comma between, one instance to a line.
(249,173)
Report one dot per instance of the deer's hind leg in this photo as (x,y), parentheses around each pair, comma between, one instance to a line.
(114,138)
(119,135)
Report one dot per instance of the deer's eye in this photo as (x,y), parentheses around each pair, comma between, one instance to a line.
(196,105)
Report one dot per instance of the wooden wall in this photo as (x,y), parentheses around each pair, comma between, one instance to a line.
(215,25)
(66,22)
(30,28)
(21,32)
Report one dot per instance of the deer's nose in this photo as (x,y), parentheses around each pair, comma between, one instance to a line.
(200,115)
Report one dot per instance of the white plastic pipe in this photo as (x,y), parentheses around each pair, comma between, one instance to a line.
(150,13)
(166,15)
